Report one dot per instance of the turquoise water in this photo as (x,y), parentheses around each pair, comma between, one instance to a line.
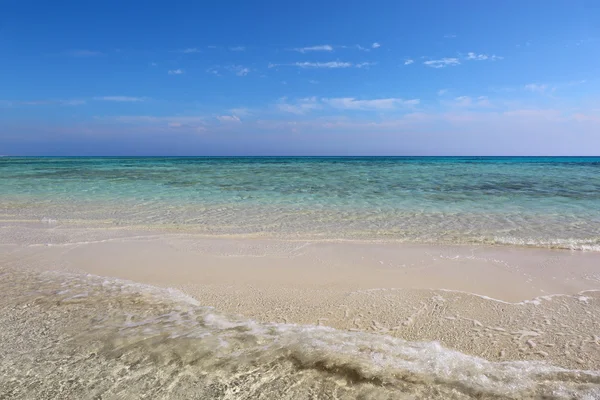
(533,201)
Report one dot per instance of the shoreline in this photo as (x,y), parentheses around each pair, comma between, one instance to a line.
(50,226)
(493,302)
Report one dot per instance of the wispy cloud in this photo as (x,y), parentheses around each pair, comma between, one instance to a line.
(239,70)
(323,47)
(442,63)
(190,123)
(84,53)
(238,48)
(363,48)
(307,64)
(548,114)
(351,103)
(326,65)
(229,118)
(469,102)
(408,61)
(365,64)
(53,102)
(213,71)
(175,71)
(190,50)
(123,99)
(482,57)
(313,82)
(453,61)
(150,118)
(442,92)
(299,107)
(449,36)
(536,87)
(240,112)
(304,105)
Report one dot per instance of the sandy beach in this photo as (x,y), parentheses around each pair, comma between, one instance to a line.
(494,302)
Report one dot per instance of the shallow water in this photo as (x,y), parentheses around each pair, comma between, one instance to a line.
(542,202)
(86,337)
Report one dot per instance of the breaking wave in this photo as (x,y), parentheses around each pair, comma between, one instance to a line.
(88,336)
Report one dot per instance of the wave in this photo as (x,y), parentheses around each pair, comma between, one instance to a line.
(145,341)
(67,233)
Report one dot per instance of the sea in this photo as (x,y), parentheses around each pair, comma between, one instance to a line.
(550,202)
(73,336)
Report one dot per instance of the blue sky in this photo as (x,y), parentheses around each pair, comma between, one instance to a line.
(300,77)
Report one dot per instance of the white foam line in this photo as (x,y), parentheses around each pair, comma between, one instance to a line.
(122,239)
(535,300)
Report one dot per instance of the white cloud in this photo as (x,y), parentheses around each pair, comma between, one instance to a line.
(547,114)
(237,48)
(408,61)
(350,103)
(323,47)
(330,64)
(468,102)
(75,102)
(444,62)
(121,98)
(442,92)
(190,50)
(240,112)
(463,101)
(239,70)
(149,118)
(536,87)
(362,48)
(84,53)
(175,71)
(213,71)
(365,64)
(229,118)
(313,82)
(71,102)
(300,107)
(153,64)
(186,122)
(449,36)
(482,57)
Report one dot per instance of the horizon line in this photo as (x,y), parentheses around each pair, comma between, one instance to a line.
(290,156)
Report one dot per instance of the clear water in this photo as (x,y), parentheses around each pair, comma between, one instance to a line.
(532,201)
(144,342)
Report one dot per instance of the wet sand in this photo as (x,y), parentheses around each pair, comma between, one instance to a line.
(499,303)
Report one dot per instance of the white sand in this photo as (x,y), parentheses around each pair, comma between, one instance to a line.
(479,300)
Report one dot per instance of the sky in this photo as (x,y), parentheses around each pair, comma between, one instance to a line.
(284,77)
